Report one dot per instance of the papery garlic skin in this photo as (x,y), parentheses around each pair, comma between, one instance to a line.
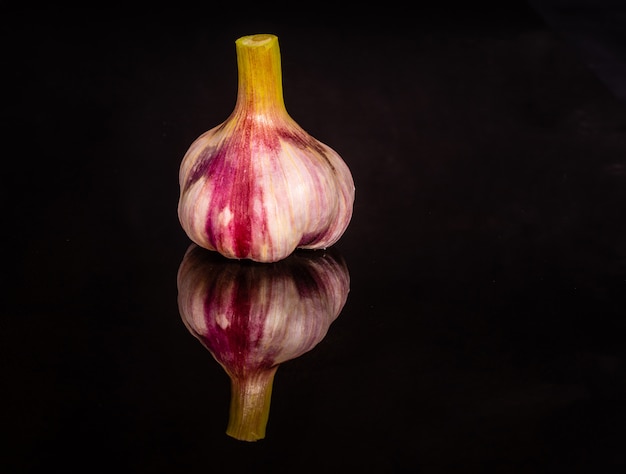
(252,317)
(258,186)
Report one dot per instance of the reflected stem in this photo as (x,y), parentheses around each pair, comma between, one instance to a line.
(250,405)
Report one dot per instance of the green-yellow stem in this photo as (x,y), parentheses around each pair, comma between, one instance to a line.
(260,87)
(250,405)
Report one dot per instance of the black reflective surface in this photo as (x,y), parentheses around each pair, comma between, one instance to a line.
(484,328)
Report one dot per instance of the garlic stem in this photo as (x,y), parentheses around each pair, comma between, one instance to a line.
(250,405)
(260,87)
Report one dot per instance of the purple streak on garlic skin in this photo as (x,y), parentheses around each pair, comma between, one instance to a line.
(252,317)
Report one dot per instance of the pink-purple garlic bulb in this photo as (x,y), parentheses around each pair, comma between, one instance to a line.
(258,186)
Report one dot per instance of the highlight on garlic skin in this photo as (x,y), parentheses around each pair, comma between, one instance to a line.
(252,317)
(258,186)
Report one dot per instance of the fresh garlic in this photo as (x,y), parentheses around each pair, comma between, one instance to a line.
(252,317)
(258,186)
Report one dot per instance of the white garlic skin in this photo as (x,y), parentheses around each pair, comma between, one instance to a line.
(258,191)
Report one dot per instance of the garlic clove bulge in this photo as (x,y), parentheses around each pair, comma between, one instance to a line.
(258,186)
(252,317)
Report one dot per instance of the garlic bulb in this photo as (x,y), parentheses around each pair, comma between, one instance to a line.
(253,317)
(258,186)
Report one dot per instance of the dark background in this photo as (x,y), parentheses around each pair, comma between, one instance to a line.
(485,326)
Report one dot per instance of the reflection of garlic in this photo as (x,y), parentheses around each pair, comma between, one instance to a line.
(258,186)
(253,317)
